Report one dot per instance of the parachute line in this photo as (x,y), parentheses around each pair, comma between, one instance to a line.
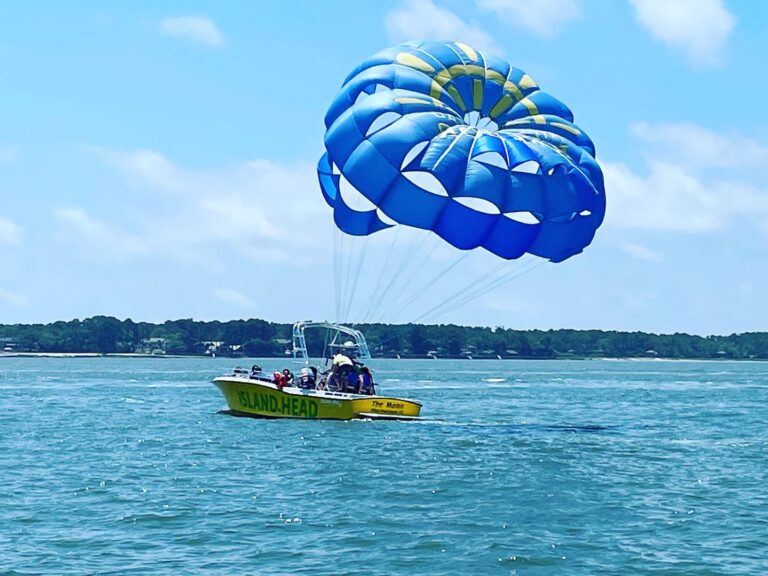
(390,307)
(356,277)
(410,252)
(498,284)
(420,292)
(336,272)
(472,285)
(375,297)
(460,299)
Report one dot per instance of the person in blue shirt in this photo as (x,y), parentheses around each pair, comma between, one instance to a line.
(352,381)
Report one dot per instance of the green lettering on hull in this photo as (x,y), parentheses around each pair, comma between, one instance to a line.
(285,406)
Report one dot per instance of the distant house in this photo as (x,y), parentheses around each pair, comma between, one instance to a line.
(212,347)
(283,342)
(8,344)
(151,346)
(221,348)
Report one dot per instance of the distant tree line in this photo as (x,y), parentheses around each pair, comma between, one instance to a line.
(259,338)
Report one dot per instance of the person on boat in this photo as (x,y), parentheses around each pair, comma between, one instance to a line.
(342,360)
(334,379)
(351,381)
(255,372)
(366,382)
(279,379)
(288,377)
(306,379)
(240,372)
(322,381)
(345,377)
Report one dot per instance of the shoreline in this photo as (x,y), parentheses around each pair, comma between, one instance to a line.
(243,359)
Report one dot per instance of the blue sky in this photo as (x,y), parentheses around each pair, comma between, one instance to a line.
(157,159)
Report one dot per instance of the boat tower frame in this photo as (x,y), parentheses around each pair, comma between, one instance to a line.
(338,337)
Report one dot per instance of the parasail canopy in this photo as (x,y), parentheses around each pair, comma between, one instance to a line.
(440,137)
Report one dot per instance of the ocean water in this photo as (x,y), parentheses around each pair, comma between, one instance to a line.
(126,466)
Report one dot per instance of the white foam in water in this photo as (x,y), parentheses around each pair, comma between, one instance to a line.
(494,380)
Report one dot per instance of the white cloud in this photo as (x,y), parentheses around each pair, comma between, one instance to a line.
(12,298)
(100,238)
(196,28)
(701,148)
(666,198)
(696,180)
(641,252)
(231,296)
(10,232)
(263,211)
(423,20)
(144,166)
(241,218)
(698,28)
(543,17)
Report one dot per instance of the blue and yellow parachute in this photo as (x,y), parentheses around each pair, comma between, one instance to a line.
(438,136)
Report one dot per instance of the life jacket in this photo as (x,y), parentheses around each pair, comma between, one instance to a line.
(279,379)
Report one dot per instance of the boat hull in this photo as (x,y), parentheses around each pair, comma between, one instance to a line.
(247,397)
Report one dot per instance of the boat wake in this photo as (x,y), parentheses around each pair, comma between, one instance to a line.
(526,428)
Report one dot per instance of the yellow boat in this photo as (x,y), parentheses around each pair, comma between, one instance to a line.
(247,397)
(255,395)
